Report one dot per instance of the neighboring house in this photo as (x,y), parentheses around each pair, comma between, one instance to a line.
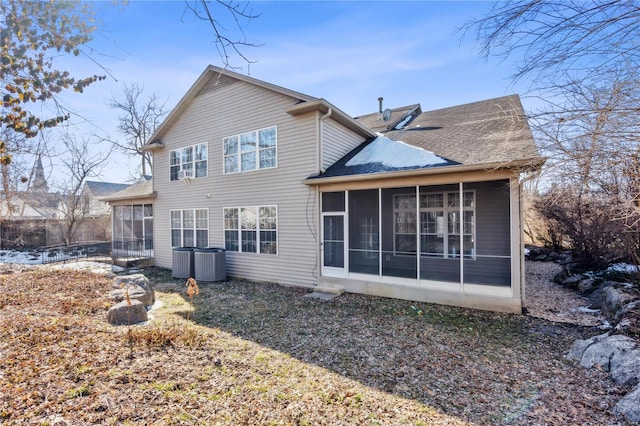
(92,194)
(28,218)
(299,193)
(37,217)
(91,217)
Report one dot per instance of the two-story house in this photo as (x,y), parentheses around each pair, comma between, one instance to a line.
(401,203)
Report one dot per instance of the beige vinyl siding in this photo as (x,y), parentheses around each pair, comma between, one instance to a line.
(230,110)
(338,141)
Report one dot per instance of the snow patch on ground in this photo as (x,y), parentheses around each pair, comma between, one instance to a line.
(395,154)
(35,258)
(623,267)
(95,267)
(21,257)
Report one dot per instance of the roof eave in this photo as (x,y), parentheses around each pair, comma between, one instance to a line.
(523,165)
(152,195)
(154,146)
(323,106)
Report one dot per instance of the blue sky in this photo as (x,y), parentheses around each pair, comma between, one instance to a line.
(349,53)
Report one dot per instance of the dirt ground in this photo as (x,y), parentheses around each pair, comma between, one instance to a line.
(245,353)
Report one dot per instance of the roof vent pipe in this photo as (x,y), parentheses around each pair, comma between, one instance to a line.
(380,105)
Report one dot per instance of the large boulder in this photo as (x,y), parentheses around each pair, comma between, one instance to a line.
(601,353)
(138,287)
(125,314)
(625,367)
(629,406)
(579,346)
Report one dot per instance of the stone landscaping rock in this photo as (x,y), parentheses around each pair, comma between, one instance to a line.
(625,367)
(139,288)
(579,346)
(587,285)
(601,353)
(629,406)
(125,314)
(134,279)
(135,292)
(572,281)
(553,256)
(620,355)
(613,299)
(596,295)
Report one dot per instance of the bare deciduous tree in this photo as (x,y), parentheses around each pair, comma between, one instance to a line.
(138,121)
(549,38)
(80,164)
(594,157)
(583,61)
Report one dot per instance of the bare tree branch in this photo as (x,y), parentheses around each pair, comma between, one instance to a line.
(80,164)
(138,121)
(215,13)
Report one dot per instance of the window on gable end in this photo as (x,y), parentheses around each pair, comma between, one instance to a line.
(250,151)
(191,160)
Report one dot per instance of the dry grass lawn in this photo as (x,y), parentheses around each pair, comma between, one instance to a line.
(262,354)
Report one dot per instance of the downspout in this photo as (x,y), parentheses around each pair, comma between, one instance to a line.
(320,142)
(319,153)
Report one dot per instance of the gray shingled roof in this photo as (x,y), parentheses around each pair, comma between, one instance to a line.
(485,132)
(490,133)
(139,190)
(99,189)
(377,124)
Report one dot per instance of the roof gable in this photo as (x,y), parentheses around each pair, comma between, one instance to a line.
(214,78)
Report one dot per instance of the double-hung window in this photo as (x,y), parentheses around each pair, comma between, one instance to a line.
(250,151)
(251,229)
(190,161)
(190,228)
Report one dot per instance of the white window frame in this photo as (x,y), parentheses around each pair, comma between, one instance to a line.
(443,228)
(177,159)
(194,227)
(237,153)
(258,229)
(411,209)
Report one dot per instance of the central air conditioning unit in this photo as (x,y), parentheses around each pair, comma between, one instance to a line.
(185,174)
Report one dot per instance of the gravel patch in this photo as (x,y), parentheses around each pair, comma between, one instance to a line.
(549,300)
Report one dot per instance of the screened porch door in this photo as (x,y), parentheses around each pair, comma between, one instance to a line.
(333,244)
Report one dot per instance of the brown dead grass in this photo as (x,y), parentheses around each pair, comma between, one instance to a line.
(263,354)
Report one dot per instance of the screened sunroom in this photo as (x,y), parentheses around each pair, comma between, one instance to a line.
(445,235)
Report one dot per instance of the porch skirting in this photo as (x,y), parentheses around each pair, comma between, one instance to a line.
(489,298)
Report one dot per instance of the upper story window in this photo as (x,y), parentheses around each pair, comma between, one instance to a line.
(190,161)
(250,151)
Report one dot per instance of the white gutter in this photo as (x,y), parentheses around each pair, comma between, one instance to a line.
(514,165)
